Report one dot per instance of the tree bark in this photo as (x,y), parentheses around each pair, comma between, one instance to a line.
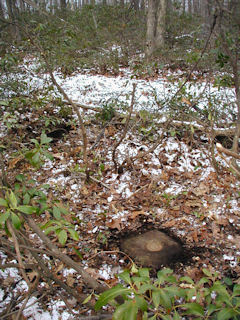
(161,24)
(156,25)
(150,43)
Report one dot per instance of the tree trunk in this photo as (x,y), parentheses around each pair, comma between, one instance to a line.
(161,24)
(184,6)
(12,14)
(151,24)
(190,6)
(63,5)
(1,10)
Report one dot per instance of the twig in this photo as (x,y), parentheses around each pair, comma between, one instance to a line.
(16,245)
(30,291)
(93,179)
(125,128)
(229,164)
(87,279)
(228,152)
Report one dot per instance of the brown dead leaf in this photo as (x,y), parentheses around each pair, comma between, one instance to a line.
(12,164)
(164,177)
(84,191)
(93,272)
(58,156)
(70,280)
(169,224)
(114,224)
(195,236)
(201,189)
(184,100)
(193,203)
(110,131)
(135,214)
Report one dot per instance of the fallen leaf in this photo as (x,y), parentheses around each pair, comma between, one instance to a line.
(114,224)
(169,224)
(201,189)
(12,164)
(135,214)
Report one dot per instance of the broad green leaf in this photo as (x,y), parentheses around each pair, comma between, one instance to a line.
(73,233)
(13,200)
(15,220)
(62,237)
(203,281)
(187,279)
(87,299)
(27,209)
(236,290)
(225,314)
(3,202)
(20,177)
(45,139)
(125,277)
(134,268)
(4,216)
(35,142)
(26,199)
(153,317)
(176,316)
(4,103)
(175,291)
(56,213)
(221,291)
(228,281)
(48,155)
(126,311)
(139,280)
(166,317)
(194,309)
(50,229)
(36,157)
(163,275)
(110,294)
(165,299)
(207,272)
(156,298)
(141,303)
(144,272)
(63,209)
(145,287)
(211,308)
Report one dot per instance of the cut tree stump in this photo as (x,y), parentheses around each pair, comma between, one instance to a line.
(152,249)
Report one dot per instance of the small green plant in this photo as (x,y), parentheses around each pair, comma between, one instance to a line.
(26,198)
(39,153)
(107,113)
(172,298)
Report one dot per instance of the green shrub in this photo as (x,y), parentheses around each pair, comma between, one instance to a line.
(169,297)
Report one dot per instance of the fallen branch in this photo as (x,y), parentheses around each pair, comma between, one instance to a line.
(228,152)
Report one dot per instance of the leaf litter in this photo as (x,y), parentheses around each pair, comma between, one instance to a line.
(174,188)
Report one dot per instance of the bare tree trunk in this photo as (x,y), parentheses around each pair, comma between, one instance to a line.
(190,6)
(12,14)
(161,24)
(63,5)
(151,17)
(184,6)
(1,10)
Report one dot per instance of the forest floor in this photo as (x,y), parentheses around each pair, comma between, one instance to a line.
(174,188)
